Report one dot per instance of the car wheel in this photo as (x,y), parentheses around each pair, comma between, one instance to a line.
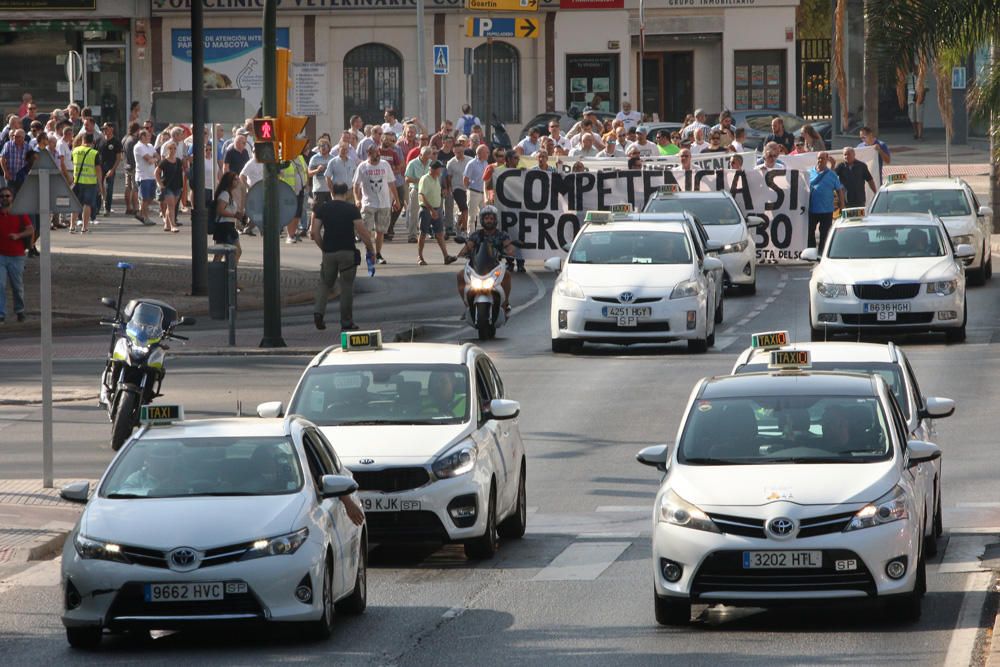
(323,628)
(485,547)
(938,518)
(88,637)
(930,544)
(357,601)
(750,289)
(698,345)
(989,262)
(561,346)
(978,277)
(513,527)
(719,313)
(958,335)
(908,607)
(671,611)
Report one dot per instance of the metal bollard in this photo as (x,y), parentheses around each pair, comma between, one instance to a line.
(228,293)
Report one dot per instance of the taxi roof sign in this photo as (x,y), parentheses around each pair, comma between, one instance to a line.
(668,189)
(161,414)
(853,212)
(623,207)
(789,359)
(598,217)
(361,340)
(768,339)
(895,178)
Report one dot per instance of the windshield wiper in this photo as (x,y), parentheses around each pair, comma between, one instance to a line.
(817,459)
(711,461)
(118,496)
(366,422)
(225,493)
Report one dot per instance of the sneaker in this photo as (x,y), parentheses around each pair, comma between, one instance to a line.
(95,221)
(20,317)
(348,326)
(109,211)
(290,240)
(33,252)
(380,259)
(318,321)
(450,259)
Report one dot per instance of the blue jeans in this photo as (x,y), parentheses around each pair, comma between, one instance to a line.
(12,269)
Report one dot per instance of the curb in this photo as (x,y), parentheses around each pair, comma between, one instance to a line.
(31,401)
(42,549)
(406,335)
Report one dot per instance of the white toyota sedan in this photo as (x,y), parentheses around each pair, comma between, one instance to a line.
(789,487)
(429,434)
(628,281)
(954,202)
(888,273)
(216,521)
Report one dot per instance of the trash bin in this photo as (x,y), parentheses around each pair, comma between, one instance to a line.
(222,286)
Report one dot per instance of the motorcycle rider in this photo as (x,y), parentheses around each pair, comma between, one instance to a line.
(489,234)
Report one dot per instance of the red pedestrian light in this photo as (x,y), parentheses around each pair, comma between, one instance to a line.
(263,129)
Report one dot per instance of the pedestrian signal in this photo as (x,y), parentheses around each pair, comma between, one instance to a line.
(264,129)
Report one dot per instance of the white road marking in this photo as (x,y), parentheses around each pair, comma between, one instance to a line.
(769,300)
(963,639)
(722,342)
(963,553)
(582,561)
(454,612)
(624,508)
(45,573)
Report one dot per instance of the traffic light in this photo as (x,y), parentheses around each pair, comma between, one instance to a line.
(289,126)
(265,135)
(264,129)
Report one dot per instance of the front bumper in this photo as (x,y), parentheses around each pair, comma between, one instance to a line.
(927,312)
(740,267)
(585,320)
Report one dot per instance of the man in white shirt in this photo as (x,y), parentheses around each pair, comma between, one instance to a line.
(561,143)
(699,144)
(586,147)
(391,123)
(145,174)
(375,188)
(456,183)
(341,167)
(611,150)
(629,117)
(530,143)
(699,121)
(645,148)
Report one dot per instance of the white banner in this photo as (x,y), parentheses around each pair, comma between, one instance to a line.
(545,209)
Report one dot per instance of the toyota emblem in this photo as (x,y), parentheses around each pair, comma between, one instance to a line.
(626,297)
(184,559)
(886,284)
(366,462)
(781,527)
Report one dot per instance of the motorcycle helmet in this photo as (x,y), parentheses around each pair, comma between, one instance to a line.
(489,211)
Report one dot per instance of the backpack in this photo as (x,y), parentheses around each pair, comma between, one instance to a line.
(467,121)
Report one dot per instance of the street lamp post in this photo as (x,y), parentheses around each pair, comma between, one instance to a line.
(272,235)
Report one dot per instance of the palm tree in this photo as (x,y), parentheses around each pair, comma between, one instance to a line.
(933,31)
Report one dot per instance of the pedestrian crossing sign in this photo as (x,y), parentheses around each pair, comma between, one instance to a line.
(440,59)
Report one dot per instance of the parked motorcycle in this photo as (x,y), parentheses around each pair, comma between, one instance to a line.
(134,371)
(484,294)
(500,137)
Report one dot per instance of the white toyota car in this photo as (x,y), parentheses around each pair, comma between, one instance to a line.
(888,273)
(628,281)
(216,521)
(789,486)
(429,435)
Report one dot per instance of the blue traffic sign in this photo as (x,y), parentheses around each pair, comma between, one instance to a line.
(501,27)
(440,59)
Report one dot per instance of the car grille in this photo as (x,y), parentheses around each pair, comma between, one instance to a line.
(616,301)
(871,319)
(748,527)
(130,601)
(391,479)
(879,293)
(737,525)
(405,527)
(723,571)
(612,327)
(156,558)
(824,525)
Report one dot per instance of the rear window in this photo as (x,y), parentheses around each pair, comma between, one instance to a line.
(942,203)
(709,211)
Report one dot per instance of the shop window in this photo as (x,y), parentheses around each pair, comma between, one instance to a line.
(506,85)
(373,82)
(592,81)
(760,80)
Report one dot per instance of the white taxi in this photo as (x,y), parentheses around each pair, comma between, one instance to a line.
(889,273)
(954,202)
(752,512)
(215,521)
(627,281)
(890,363)
(725,223)
(429,435)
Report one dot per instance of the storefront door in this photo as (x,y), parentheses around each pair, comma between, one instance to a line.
(106,84)
(668,84)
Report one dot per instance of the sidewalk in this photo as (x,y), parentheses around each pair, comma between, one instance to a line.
(34,521)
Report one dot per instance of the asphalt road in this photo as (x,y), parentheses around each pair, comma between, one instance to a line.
(583,419)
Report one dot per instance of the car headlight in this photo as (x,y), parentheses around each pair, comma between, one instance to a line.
(967,239)
(890,507)
(679,512)
(569,289)
(942,287)
(90,549)
(686,288)
(281,545)
(831,290)
(456,462)
(734,247)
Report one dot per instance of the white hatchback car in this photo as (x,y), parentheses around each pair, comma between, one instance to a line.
(888,273)
(631,281)
(216,521)
(789,487)
(429,434)
(954,202)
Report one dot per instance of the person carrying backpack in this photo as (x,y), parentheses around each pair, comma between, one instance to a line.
(467,121)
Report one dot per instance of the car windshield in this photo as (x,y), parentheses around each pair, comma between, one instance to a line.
(785,429)
(942,203)
(708,210)
(631,247)
(222,466)
(384,394)
(887,371)
(885,242)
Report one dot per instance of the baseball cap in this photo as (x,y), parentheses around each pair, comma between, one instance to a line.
(640,130)
(243,132)
(436,164)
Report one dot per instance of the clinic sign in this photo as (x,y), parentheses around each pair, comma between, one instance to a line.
(301,6)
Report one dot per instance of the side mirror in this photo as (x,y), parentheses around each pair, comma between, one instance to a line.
(713,264)
(809,255)
(186,322)
(553,264)
(76,492)
(335,486)
(964,251)
(985,210)
(754,221)
(922,452)
(656,456)
(713,246)
(271,409)
(501,408)
(937,408)
(109,302)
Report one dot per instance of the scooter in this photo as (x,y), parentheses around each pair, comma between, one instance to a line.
(500,137)
(134,370)
(484,295)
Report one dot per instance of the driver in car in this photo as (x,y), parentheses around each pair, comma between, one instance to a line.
(500,245)
(443,397)
(836,430)
(158,471)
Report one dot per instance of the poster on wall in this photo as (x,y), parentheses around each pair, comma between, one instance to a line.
(742,99)
(757,98)
(773,75)
(742,76)
(233,59)
(773,98)
(757,75)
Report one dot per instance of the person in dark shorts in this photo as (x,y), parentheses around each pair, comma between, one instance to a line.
(431,212)
(227,213)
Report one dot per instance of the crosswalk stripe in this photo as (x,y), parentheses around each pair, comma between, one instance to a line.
(963,552)
(582,561)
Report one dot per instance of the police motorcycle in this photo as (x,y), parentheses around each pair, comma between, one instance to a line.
(134,371)
(483,294)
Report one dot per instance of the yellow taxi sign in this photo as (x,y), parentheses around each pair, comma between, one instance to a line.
(361,340)
(623,207)
(598,217)
(853,212)
(789,359)
(892,179)
(768,339)
(668,189)
(161,414)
